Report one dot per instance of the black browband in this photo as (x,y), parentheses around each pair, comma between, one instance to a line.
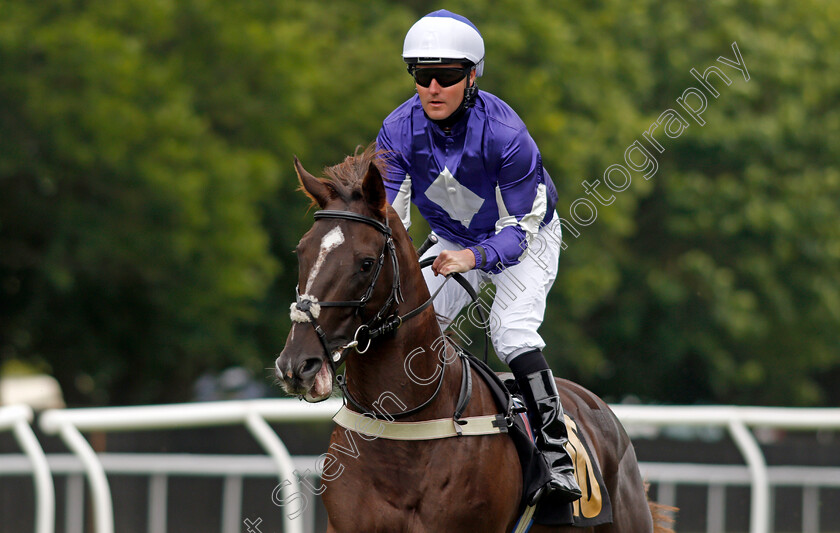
(350,215)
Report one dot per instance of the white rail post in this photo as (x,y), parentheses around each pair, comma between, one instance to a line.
(103,509)
(18,418)
(158,502)
(272,444)
(760,498)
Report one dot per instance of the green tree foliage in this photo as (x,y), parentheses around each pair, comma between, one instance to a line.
(717,278)
(131,249)
(148,209)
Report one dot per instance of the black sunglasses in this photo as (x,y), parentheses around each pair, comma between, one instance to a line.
(446,77)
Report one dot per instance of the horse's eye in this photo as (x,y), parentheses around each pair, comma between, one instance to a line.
(367,264)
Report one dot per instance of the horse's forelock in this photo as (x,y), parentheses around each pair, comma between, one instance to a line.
(347,176)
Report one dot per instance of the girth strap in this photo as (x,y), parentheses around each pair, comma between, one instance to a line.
(426,430)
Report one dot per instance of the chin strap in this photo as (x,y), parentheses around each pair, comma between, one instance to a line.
(469,96)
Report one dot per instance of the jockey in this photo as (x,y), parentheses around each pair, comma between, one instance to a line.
(468,163)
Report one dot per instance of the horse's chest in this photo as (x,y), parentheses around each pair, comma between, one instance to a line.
(413,487)
(402,503)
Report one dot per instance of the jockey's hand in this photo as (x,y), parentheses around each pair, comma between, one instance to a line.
(453,261)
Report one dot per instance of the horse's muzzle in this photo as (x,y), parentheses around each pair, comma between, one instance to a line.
(309,377)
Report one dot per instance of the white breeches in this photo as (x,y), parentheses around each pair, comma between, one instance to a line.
(518,299)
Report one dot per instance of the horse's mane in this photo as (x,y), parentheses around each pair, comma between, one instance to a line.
(345,178)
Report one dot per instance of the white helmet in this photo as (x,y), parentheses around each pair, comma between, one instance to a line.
(442,37)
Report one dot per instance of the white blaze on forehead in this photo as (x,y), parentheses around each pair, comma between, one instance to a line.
(329,243)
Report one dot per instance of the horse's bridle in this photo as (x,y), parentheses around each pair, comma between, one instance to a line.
(380,324)
(366,332)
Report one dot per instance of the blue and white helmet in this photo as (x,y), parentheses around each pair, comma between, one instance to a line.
(444,37)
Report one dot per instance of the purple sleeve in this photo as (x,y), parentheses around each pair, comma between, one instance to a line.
(396,165)
(520,177)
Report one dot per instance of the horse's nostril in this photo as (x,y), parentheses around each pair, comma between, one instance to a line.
(310,367)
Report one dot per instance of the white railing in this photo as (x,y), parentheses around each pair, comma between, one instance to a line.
(158,468)
(255,415)
(717,478)
(17,418)
(737,420)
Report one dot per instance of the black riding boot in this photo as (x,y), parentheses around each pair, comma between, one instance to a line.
(546,415)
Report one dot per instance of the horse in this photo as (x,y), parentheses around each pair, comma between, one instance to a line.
(361,301)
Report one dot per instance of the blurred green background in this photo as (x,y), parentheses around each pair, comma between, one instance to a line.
(148,209)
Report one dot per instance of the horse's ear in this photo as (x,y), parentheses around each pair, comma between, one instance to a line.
(374,189)
(316,189)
